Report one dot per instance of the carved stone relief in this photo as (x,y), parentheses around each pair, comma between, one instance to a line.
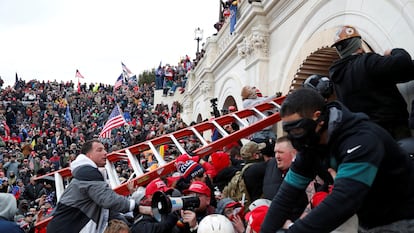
(254,44)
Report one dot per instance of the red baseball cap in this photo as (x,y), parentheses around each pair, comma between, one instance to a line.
(255,217)
(156,185)
(199,187)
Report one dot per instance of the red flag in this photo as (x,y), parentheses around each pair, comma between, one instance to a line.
(6,128)
(78,74)
(115,120)
(79,87)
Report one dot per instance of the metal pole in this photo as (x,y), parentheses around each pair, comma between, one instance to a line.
(198,42)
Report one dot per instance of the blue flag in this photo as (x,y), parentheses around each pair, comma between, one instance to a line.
(68,116)
(233,12)
(133,80)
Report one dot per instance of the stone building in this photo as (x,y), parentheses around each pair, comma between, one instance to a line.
(278,43)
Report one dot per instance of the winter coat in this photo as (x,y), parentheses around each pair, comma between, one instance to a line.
(367,83)
(88,202)
(374,178)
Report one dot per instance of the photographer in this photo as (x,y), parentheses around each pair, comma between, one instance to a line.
(192,218)
(149,224)
(216,113)
(184,219)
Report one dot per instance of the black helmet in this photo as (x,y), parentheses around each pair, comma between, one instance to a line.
(319,83)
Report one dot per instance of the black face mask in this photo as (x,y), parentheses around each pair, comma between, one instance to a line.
(302,133)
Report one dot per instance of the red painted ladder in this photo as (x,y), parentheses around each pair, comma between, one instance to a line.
(132,153)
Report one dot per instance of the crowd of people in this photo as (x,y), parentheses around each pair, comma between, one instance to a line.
(329,173)
(38,136)
(169,78)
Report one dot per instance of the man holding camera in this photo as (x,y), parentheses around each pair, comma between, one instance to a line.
(191,218)
(147,223)
(184,220)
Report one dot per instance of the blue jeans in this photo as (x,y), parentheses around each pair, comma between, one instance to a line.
(158,82)
(173,88)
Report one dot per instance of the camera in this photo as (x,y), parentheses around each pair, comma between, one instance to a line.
(215,112)
(213,102)
(163,204)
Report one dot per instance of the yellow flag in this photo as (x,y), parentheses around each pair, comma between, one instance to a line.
(163,148)
(95,88)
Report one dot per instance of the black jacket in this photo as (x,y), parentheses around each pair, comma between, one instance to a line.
(252,177)
(374,178)
(367,83)
(31,192)
(223,177)
(148,224)
(272,180)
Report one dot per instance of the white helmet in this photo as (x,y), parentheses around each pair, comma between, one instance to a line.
(259,202)
(215,223)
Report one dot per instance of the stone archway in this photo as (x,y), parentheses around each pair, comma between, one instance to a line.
(199,118)
(230,101)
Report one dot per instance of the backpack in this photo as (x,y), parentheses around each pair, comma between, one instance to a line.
(236,187)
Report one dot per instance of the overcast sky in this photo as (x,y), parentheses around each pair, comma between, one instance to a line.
(50,39)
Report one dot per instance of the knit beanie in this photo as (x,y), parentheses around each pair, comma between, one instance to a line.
(184,158)
(190,169)
(220,160)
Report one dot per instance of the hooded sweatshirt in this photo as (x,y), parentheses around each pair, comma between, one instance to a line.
(88,202)
(374,178)
(367,83)
(8,209)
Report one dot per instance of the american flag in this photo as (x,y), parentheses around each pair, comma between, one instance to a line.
(115,120)
(78,74)
(125,69)
(118,82)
